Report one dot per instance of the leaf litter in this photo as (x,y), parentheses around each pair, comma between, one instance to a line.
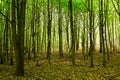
(61,69)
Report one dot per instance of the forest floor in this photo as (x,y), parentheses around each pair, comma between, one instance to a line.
(62,69)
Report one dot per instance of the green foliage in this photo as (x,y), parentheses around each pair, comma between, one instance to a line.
(62,70)
(78,5)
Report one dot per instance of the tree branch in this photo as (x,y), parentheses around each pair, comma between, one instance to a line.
(5,16)
(115,7)
(85,5)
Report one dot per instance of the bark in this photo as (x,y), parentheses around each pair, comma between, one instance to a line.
(33,28)
(100,28)
(106,24)
(18,38)
(1,54)
(91,49)
(83,38)
(49,32)
(72,33)
(67,32)
(60,31)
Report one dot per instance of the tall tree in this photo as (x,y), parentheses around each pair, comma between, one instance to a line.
(7,25)
(60,31)
(44,37)
(1,54)
(67,30)
(83,38)
(100,29)
(49,31)
(18,38)
(106,4)
(91,33)
(101,19)
(72,33)
(33,26)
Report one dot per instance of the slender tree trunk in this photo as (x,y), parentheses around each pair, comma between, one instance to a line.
(1,54)
(72,33)
(87,32)
(60,31)
(78,36)
(106,24)
(102,31)
(44,29)
(33,26)
(49,32)
(113,40)
(1,42)
(76,29)
(38,31)
(7,25)
(119,20)
(67,32)
(83,38)
(11,47)
(100,28)
(91,49)
(29,45)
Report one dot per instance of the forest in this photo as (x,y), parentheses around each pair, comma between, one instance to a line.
(59,39)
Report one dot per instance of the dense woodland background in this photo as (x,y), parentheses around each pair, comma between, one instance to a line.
(60,39)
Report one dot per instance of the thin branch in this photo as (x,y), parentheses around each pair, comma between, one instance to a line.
(5,16)
(85,5)
(115,7)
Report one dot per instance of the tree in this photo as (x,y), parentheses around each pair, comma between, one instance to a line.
(1,54)
(33,28)
(106,24)
(83,38)
(60,31)
(49,31)
(67,30)
(7,25)
(18,39)
(91,27)
(101,19)
(72,33)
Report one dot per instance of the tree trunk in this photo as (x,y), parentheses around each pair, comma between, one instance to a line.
(49,32)
(67,32)
(60,31)
(18,40)
(91,49)
(33,26)
(72,33)
(83,38)
(1,54)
